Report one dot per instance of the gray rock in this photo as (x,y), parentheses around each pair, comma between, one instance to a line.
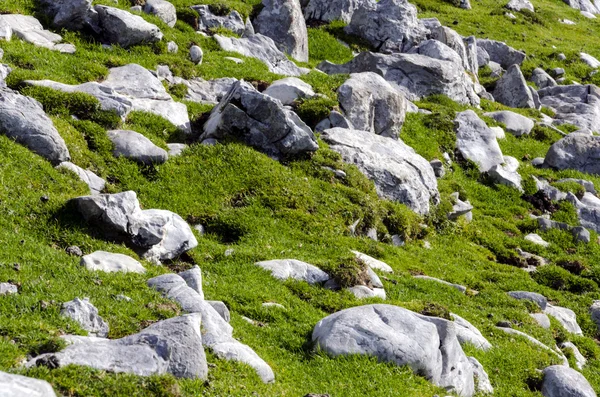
(335,119)
(172,47)
(86,315)
(220,308)
(135,146)
(428,345)
(207,91)
(372,104)
(262,48)
(472,52)
(588,212)
(172,346)
(259,121)
(208,21)
(515,123)
(417,76)
(364,292)
(108,262)
(538,162)
(438,168)
(506,174)
(566,317)
(398,172)
(21,386)
(561,381)
(94,182)
(438,50)
(542,79)
(589,60)
(518,5)
(459,207)
(496,69)
(482,379)
(373,263)
(455,41)
(541,319)
(580,360)
(512,89)
(289,90)
(23,119)
(476,142)
(534,297)
(589,186)
(581,234)
(282,269)
(468,333)
(125,29)
(574,104)
(536,239)
(196,54)
(465,4)
(193,279)
(387,24)
(30,30)
(575,151)
(282,20)
(483,58)
(163,10)
(595,313)
(536,342)
(458,287)
(332,10)
(68,14)
(8,289)
(501,53)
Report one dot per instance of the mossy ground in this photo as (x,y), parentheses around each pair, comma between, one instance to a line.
(263,209)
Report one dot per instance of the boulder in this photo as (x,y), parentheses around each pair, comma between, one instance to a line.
(94,182)
(398,172)
(566,317)
(472,52)
(542,79)
(589,60)
(108,262)
(387,24)
(455,41)
(208,21)
(30,30)
(512,89)
(125,29)
(501,53)
(373,263)
(438,50)
(23,119)
(86,315)
(541,319)
(518,5)
(468,333)
(428,345)
(206,91)
(372,104)
(332,10)
(259,121)
(476,142)
(136,147)
(282,20)
(196,54)
(282,269)
(164,10)
(534,297)
(289,90)
(562,381)
(12,385)
(172,346)
(574,104)
(506,173)
(193,278)
(417,76)
(514,123)
(575,151)
(262,48)
(459,207)
(482,379)
(483,58)
(68,14)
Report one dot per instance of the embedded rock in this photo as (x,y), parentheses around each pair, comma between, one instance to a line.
(561,381)
(135,146)
(438,50)
(580,360)
(12,385)
(595,313)
(94,182)
(30,30)
(459,207)
(458,287)
(542,79)
(164,10)
(515,123)
(476,142)
(541,319)
(86,315)
(468,333)
(574,104)
(207,91)
(482,379)
(373,263)
(589,60)
(193,278)
(289,90)
(332,10)
(455,41)
(536,342)
(512,89)
(68,14)
(196,54)
(534,297)
(506,173)
(536,239)
(364,292)
(125,29)
(501,53)
(8,289)
(208,21)
(282,269)
(575,151)
(566,317)
(109,262)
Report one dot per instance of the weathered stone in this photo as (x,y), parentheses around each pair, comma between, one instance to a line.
(536,342)
(86,315)
(175,149)
(575,151)
(196,54)
(12,385)
(506,174)
(373,263)
(163,10)
(289,90)
(515,123)
(282,269)
(562,381)
(476,142)
(69,14)
(501,53)
(574,104)
(472,55)
(220,308)
(468,333)
(209,21)
(595,313)
(580,360)
(207,91)
(542,79)
(482,379)
(541,319)
(455,41)
(109,262)
(588,186)
(459,207)
(335,119)
(30,30)
(332,10)
(458,287)
(512,89)
(438,50)
(566,317)
(364,292)
(589,60)
(534,297)
(125,29)
(135,146)
(8,289)
(483,58)
(193,278)
(518,5)
(536,239)
(94,182)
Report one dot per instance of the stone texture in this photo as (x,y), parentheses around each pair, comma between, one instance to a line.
(501,53)
(482,379)
(30,30)
(458,287)
(566,317)
(8,289)
(208,21)
(163,10)
(518,5)
(196,54)
(512,89)
(536,239)
(580,360)
(282,269)
(125,29)
(575,151)
(86,315)
(69,14)
(515,123)
(136,147)
(574,104)
(193,278)
(561,381)
(541,319)
(94,182)
(534,297)
(109,262)
(476,142)
(207,91)
(438,50)
(12,385)
(332,10)
(589,60)
(289,90)
(468,333)
(373,263)
(542,79)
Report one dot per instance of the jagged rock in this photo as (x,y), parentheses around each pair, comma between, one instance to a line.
(332,10)
(496,69)
(217,334)
(163,235)
(542,79)
(163,10)
(472,54)
(282,20)
(262,48)
(30,30)
(220,308)
(94,182)
(458,287)
(580,360)
(209,21)
(372,104)
(86,315)
(193,278)
(373,263)
(438,50)
(398,172)
(566,317)
(536,239)
(455,41)
(68,14)
(259,121)
(125,29)
(574,104)
(575,151)
(518,5)
(536,342)
(207,91)
(109,262)
(506,173)
(501,53)
(289,90)
(282,269)
(468,333)
(515,123)
(534,297)
(482,379)
(512,89)
(428,345)
(476,142)
(335,119)
(8,289)
(12,385)
(589,60)
(135,146)
(196,54)
(459,207)
(541,319)
(483,58)
(387,24)
(561,381)
(23,119)
(417,76)
(172,346)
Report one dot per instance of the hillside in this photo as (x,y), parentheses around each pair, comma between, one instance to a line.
(254,181)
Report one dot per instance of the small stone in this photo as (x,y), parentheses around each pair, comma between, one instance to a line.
(8,289)
(196,54)
(74,250)
(172,47)
(537,239)
(86,315)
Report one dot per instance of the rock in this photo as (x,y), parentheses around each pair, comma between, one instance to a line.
(125,29)
(74,250)
(518,5)
(534,297)
(364,292)
(459,207)
(496,69)
(438,168)
(217,334)
(566,317)
(23,119)
(196,54)
(595,313)
(459,287)
(289,90)
(22,386)
(175,149)
(398,172)
(575,151)
(163,235)
(68,14)
(455,41)
(262,48)
(172,47)
(574,104)
(561,381)
(207,91)
(538,162)
(109,262)
(208,21)
(472,53)
(372,104)
(234,59)
(282,20)
(580,360)
(588,212)
(428,345)
(536,239)
(94,182)
(515,123)
(499,133)
(536,342)
(135,146)
(512,89)
(589,60)
(220,308)
(581,234)
(476,142)
(589,186)
(501,53)
(506,174)
(86,315)
(542,319)
(416,75)
(588,15)
(483,58)
(329,11)
(373,263)
(163,10)
(193,279)
(467,333)
(335,119)
(8,289)
(273,304)
(482,379)
(542,79)
(438,50)
(172,346)
(282,269)
(30,30)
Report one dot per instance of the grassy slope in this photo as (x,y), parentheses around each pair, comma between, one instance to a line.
(266,210)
